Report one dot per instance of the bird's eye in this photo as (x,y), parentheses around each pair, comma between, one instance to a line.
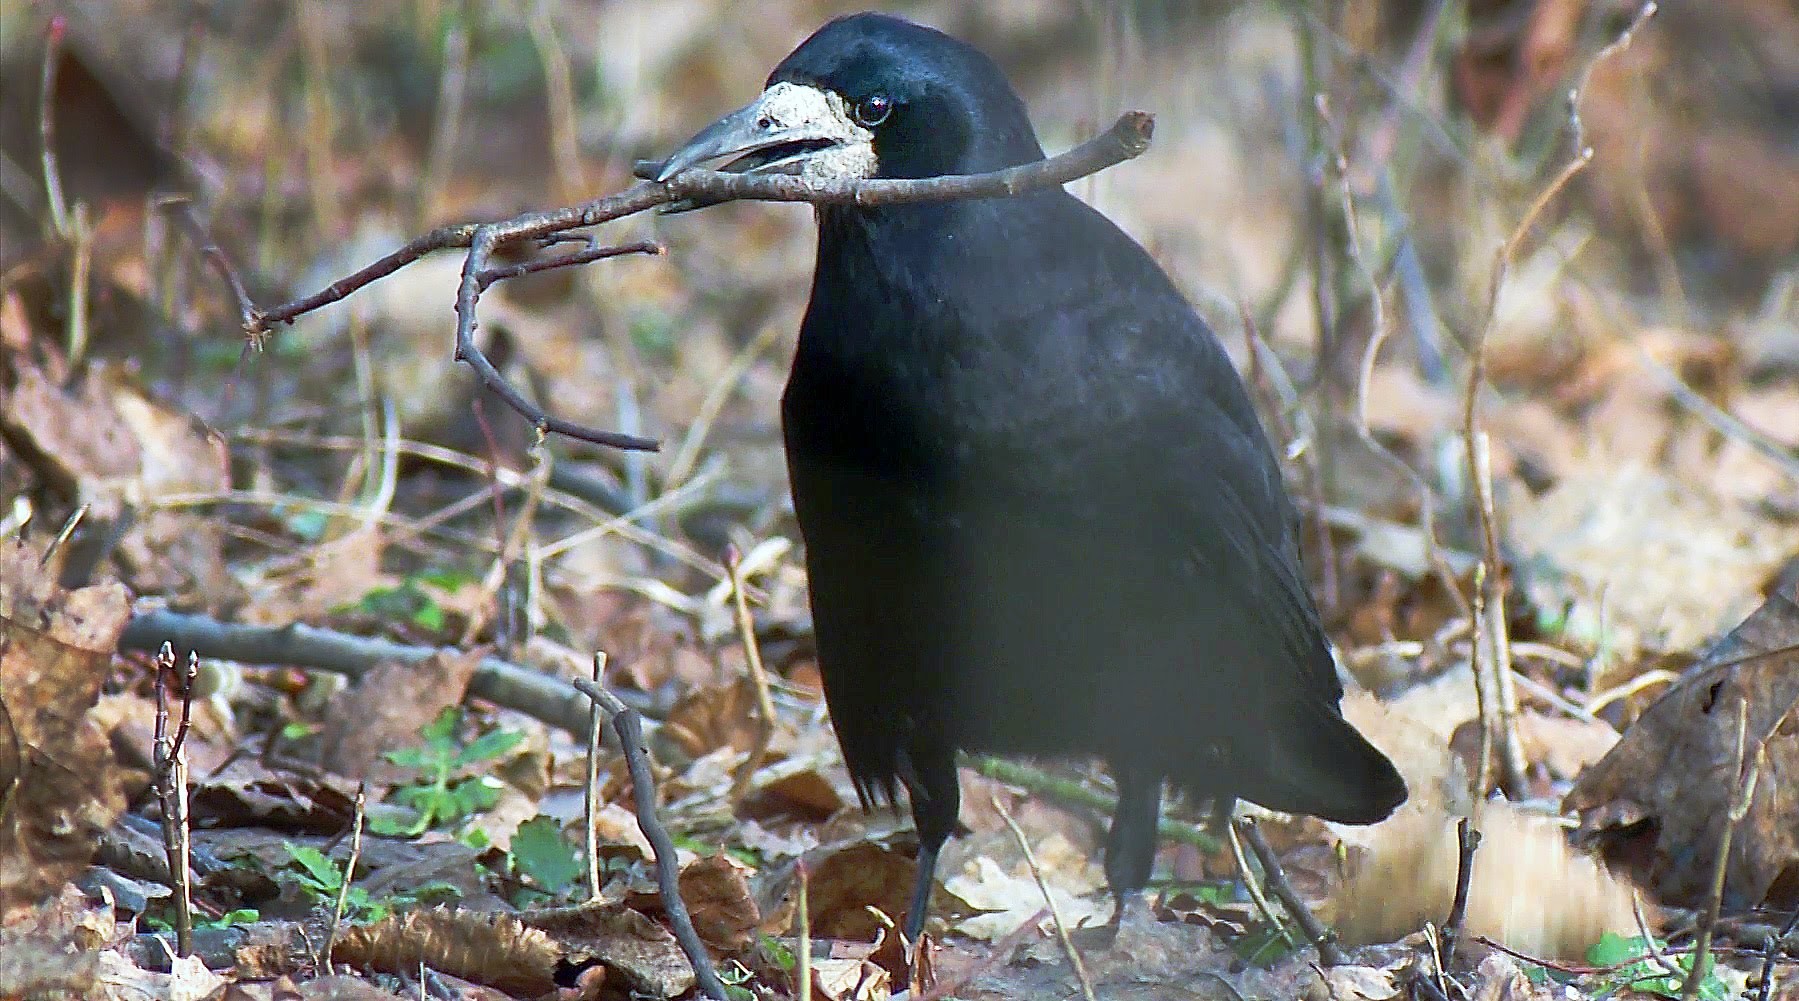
(873,110)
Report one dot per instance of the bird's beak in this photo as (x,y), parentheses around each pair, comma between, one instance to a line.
(790,129)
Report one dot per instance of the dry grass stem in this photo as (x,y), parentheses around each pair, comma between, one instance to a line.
(1055,913)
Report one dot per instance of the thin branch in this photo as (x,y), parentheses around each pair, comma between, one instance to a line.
(805,920)
(1055,913)
(46,124)
(591,789)
(593,253)
(1491,634)
(1329,952)
(1747,771)
(499,681)
(180,209)
(1467,842)
(1254,887)
(752,654)
(1721,420)
(1377,339)
(1127,138)
(628,724)
(1770,953)
(169,759)
(343,887)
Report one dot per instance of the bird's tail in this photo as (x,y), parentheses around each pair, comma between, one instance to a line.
(1315,762)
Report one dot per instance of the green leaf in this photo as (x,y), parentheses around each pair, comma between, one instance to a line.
(541,853)
(473,796)
(490,745)
(778,953)
(447,580)
(393,827)
(429,617)
(307,526)
(409,757)
(1614,949)
(322,872)
(441,732)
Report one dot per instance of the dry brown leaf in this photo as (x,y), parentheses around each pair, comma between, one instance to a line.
(716,716)
(1564,745)
(105,442)
(1353,983)
(846,880)
(807,794)
(1658,803)
(1010,898)
(337,573)
(59,783)
(850,980)
(387,708)
(716,890)
(54,950)
(638,953)
(494,949)
(249,793)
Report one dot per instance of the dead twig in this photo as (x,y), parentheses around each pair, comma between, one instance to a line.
(180,208)
(1055,913)
(1264,369)
(1747,771)
(1254,886)
(343,888)
(1771,953)
(1377,339)
(594,252)
(628,724)
(1721,420)
(46,124)
(752,654)
(1329,952)
(1499,720)
(169,754)
(805,920)
(297,645)
(1127,138)
(590,800)
(1467,843)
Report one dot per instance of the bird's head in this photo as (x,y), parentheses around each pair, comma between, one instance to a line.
(873,96)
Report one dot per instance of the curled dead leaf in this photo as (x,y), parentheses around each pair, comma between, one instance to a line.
(488,948)
(1659,802)
(60,785)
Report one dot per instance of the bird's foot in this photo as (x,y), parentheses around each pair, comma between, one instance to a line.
(1129,912)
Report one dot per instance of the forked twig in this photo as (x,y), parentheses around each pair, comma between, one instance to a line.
(169,754)
(1127,138)
(1491,635)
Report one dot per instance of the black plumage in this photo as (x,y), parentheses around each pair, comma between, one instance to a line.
(1040,514)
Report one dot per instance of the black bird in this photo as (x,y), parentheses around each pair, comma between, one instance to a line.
(1040,514)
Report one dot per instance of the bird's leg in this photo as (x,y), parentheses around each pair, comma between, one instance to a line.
(928,769)
(1222,808)
(1131,843)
